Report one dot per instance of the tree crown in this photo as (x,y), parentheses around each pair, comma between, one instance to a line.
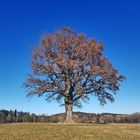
(70,66)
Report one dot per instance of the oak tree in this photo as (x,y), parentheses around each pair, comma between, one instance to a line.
(70,67)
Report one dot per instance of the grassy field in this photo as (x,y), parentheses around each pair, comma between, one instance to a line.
(49,131)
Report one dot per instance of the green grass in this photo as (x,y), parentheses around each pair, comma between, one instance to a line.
(49,131)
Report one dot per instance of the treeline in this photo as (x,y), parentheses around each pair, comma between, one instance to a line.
(14,116)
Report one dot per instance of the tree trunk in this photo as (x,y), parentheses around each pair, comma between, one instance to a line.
(68,109)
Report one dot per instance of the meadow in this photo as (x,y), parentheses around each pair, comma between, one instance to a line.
(61,131)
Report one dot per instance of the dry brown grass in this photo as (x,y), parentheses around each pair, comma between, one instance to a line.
(49,131)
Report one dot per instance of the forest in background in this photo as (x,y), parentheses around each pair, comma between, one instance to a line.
(14,116)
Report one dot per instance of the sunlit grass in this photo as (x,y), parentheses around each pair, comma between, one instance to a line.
(50,131)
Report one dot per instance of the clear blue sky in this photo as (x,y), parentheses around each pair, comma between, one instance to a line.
(116,23)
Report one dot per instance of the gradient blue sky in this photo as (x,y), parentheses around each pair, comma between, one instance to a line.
(116,23)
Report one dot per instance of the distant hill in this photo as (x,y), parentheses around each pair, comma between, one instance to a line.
(83,117)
